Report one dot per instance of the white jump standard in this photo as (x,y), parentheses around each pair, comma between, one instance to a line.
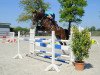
(53,65)
(18,56)
(32,41)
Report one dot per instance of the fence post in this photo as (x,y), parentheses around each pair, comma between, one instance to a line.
(53,65)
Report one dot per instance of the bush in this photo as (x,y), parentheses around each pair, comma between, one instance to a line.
(81,43)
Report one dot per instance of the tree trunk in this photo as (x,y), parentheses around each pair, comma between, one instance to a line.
(33,20)
(69,27)
(34,24)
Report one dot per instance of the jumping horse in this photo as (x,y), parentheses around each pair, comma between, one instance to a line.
(47,24)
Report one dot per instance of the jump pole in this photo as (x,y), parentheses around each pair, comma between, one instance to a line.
(18,56)
(53,65)
(32,41)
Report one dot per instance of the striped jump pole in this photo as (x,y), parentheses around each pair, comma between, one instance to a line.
(18,56)
(53,65)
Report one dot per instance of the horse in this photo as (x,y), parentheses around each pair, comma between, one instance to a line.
(47,24)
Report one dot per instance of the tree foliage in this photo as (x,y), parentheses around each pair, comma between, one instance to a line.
(72,10)
(93,28)
(30,6)
(16,29)
(23,31)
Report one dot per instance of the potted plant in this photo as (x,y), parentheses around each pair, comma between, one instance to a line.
(81,42)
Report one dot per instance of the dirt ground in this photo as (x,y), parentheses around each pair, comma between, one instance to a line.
(37,65)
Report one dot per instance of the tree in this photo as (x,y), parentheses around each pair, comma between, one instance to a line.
(93,28)
(72,11)
(21,29)
(29,6)
(16,29)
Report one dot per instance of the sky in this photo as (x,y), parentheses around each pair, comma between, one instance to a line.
(10,11)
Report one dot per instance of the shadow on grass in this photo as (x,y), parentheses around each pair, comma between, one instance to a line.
(88,66)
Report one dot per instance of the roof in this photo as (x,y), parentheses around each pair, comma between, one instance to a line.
(5,23)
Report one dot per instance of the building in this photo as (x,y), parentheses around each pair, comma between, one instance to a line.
(4,29)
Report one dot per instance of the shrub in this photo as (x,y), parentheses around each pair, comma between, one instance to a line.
(81,43)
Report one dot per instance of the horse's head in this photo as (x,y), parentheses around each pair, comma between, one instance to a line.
(37,15)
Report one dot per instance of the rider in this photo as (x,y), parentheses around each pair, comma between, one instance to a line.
(50,15)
